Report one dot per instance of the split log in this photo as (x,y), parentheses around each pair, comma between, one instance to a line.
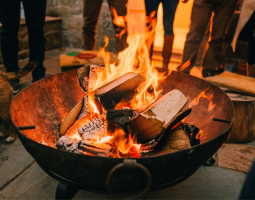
(117,119)
(69,144)
(243,128)
(175,140)
(86,76)
(157,117)
(120,89)
(96,125)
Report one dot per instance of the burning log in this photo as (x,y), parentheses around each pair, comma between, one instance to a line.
(69,144)
(176,140)
(96,125)
(117,119)
(83,77)
(157,117)
(120,89)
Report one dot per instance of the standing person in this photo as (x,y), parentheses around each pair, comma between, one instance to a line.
(91,12)
(202,10)
(10,18)
(245,30)
(169,8)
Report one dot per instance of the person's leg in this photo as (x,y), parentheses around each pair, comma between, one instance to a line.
(35,17)
(151,8)
(169,8)
(121,9)
(200,17)
(223,12)
(91,11)
(10,19)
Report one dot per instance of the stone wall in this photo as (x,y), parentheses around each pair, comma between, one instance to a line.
(70,12)
(52,33)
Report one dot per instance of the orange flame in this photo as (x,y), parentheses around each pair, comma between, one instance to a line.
(195,101)
(119,21)
(199,134)
(92,104)
(126,145)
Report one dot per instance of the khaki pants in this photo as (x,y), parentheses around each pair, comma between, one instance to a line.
(91,11)
(201,13)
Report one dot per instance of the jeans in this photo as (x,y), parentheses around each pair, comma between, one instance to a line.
(169,8)
(10,18)
(91,11)
(201,14)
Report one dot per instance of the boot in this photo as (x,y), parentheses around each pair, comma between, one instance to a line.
(167,50)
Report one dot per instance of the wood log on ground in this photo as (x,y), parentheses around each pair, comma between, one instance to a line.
(157,117)
(121,89)
(243,128)
(174,140)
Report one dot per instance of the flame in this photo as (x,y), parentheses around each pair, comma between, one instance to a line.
(105,139)
(126,145)
(195,101)
(73,133)
(119,21)
(198,135)
(92,104)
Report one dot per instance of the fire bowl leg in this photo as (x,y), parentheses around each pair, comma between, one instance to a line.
(66,190)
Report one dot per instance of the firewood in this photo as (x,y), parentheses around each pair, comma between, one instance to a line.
(157,117)
(96,125)
(120,89)
(83,77)
(173,141)
(66,143)
(243,129)
(117,119)
(71,117)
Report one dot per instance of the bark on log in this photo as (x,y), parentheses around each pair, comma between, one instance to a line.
(243,128)
(149,124)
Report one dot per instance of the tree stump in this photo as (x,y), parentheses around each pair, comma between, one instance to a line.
(243,128)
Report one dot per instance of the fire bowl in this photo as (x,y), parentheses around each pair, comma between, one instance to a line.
(46,102)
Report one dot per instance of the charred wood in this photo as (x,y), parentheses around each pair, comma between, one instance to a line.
(83,77)
(69,144)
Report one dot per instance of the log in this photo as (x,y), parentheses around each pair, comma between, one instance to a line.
(86,76)
(117,120)
(157,117)
(174,140)
(243,128)
(120,89)
(66,143)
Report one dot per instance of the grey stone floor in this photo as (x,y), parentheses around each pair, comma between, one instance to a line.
(22,178)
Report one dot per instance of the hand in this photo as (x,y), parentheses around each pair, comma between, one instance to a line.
(185,1)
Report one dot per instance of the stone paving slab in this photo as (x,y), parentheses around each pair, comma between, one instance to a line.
(206,183)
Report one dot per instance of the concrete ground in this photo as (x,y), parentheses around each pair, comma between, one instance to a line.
(22,178)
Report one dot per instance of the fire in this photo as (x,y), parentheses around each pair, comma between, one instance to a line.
(125,144)
(135,58)
(199,134)
(195,101)
(92,104)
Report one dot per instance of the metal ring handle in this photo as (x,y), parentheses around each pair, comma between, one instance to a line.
(130,164)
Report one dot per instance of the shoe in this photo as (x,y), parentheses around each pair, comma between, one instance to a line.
(15,86)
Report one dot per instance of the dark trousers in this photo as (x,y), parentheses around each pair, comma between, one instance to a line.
(10,19)
(248,34)
(201,14)
(91,11)
(169,8)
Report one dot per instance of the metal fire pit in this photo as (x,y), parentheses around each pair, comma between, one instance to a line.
(46,102)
